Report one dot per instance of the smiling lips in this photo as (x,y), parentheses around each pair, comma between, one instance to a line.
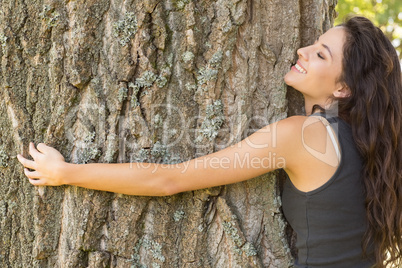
(299,68)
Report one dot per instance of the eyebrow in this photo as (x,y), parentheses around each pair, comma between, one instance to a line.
(329,50)
(325,46)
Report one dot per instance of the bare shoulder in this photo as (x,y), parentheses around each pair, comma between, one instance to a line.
(280,136)
(291,124)
(289,138)
(297,128)
(298,136)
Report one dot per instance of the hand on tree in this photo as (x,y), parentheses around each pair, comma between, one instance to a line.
(43,169)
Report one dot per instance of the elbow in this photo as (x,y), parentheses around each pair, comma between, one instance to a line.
(169,187)
(168,190)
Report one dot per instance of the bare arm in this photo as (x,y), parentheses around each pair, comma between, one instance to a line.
(263,151)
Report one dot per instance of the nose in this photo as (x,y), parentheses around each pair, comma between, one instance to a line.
(302,53)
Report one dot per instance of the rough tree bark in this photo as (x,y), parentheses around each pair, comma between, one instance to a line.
(147,80)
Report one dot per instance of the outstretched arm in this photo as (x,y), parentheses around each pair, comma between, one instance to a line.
(261,152)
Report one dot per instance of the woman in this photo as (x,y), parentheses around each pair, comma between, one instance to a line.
(345,204)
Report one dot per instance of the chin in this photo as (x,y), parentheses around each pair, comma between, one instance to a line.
(287,79)
(293,81)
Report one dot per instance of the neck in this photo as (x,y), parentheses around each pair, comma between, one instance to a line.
(309,104)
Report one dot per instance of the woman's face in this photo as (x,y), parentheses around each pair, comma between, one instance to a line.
(319,67)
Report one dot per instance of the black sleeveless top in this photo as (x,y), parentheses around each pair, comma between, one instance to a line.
(330,221)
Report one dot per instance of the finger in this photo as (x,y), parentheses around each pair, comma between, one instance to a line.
(32,151)
(43,148)
(31,174)
(26,163)
(36,182)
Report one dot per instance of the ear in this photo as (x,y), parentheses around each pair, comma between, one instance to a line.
(342,91)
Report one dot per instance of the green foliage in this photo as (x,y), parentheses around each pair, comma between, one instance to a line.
(386,14)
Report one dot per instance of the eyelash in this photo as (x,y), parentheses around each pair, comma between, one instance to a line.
(320,56)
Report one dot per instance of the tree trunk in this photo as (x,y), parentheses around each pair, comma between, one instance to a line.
(145,81)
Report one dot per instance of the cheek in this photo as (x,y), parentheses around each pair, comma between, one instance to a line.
(322,74)
(327,72)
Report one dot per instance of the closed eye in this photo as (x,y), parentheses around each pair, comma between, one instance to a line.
(320,56)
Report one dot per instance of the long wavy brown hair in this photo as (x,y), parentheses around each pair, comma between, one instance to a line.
(371,70)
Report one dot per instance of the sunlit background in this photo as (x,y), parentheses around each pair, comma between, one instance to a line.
(386,14)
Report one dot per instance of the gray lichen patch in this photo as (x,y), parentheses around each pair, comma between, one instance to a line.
(3,42)
(206,74)
(89,150)
(213,121)
(152,247)
(126,28)
(159,151)
(141,155)
(161,81)
(210,71)
(3,157)
(157,121)
(90,137)
(146,79)
(3,209)
(122,94)
(240,246)
(180,4)
(178,215)
(227,26)
(216,59)
(187,56)
(191,87)
(111,147)
(157,154)
(50,16)
(89,154)
(249,249)
(231,231)
(134,96)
